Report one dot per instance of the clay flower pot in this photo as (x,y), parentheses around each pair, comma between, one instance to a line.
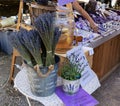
(71,87)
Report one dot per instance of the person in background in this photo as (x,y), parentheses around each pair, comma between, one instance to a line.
(78,8)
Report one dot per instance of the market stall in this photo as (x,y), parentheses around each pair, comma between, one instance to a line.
(43,84)
(102,50)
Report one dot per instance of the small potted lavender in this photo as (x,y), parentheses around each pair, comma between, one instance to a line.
(70,77)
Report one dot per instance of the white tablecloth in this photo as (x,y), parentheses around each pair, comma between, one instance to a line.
(21,83)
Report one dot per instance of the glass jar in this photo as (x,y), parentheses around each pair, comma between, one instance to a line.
(66,23)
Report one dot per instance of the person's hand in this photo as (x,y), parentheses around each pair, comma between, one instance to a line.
(94,27)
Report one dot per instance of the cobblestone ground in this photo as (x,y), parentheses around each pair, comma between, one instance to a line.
(108,94)
(8,95)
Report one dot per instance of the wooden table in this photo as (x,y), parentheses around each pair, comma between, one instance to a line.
(106,56)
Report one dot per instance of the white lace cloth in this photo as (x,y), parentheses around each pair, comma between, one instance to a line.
(21,83)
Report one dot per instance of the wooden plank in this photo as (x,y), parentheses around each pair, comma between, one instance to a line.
(25,26)
(110,72)
(69,5)
(20,14)
(106,56)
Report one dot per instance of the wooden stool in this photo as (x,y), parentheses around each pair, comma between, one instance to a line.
(15,52)
(14,56)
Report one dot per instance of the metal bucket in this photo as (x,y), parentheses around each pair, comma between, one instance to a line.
(43,86)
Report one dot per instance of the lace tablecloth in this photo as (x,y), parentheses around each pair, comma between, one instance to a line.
(21,83)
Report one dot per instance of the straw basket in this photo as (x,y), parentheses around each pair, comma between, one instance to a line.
(43,85)
(37,9)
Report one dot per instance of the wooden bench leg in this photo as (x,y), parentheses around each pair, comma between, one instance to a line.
(12,68)
(15,52)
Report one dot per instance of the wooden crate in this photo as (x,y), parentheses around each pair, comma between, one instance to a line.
(37,9)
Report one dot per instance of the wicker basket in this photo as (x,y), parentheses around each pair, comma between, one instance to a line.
(36,10)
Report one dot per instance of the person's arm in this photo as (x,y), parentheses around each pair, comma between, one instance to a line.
(78,8)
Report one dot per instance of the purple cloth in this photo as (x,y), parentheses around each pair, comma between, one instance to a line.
(81,98)
(63,2)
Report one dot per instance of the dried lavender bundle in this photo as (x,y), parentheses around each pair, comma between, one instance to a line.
(32,42)
(49,35)
(45,26)
(16,43)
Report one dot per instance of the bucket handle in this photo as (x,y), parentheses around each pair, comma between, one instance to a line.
(40,74)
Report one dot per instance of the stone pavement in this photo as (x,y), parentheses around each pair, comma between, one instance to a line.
(109,92)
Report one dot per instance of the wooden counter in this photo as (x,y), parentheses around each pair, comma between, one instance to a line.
(106,54)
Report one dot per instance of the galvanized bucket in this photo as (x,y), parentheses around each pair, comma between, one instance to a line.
(43,85)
